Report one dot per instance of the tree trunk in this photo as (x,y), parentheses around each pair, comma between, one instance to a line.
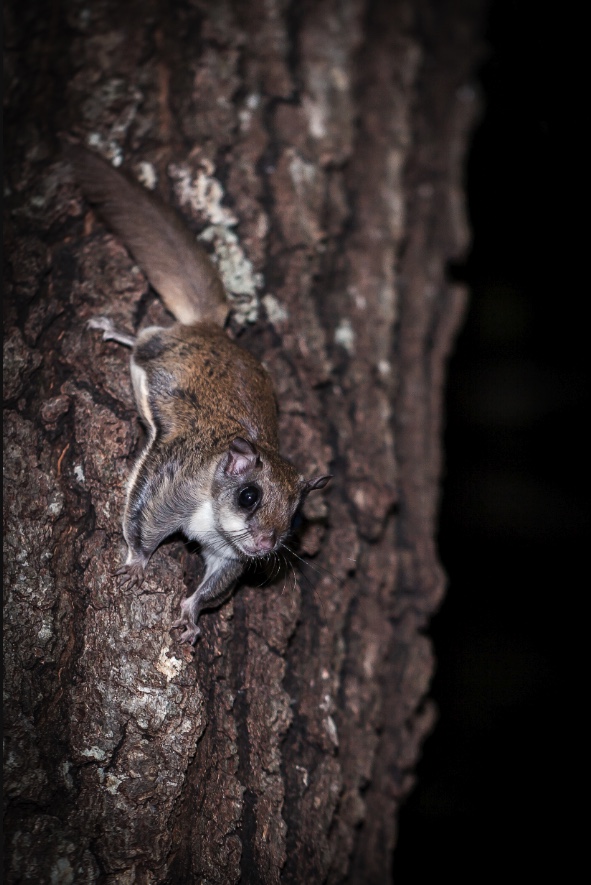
(317,147)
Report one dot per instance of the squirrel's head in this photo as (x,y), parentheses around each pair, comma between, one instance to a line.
(257,495)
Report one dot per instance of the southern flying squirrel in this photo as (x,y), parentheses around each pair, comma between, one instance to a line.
(211,467)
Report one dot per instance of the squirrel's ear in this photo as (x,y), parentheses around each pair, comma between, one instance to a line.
(317,483)
(242,456)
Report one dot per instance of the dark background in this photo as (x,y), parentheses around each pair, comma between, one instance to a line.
(499,777)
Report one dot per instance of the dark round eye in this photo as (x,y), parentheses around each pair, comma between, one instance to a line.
(249,497)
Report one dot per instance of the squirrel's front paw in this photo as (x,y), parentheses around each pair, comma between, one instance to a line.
(191,631)
(131,575)
(110,333)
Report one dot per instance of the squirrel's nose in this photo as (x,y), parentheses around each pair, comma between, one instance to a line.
(265,541)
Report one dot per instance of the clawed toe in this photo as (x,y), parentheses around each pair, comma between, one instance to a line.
(130,576)
(103,323)
(110,333)
(191,631)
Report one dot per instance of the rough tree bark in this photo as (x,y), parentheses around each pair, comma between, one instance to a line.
(318,148)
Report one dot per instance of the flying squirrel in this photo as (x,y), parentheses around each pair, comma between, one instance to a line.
(211,467)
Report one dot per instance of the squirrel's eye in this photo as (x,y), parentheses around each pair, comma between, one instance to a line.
(249,497)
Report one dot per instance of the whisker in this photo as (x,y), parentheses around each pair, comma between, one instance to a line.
(294,584)
(287,564)
(315,567)
(315,593)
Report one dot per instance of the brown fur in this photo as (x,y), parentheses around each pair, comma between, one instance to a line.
(198,377)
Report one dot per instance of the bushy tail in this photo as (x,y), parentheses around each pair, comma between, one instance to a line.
(176,266)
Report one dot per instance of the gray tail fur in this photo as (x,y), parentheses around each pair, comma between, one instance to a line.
(176,266)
